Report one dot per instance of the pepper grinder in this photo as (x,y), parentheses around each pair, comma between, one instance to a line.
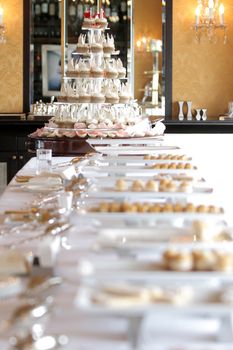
(181,114)
(198,115)
(204,115)
(189,114)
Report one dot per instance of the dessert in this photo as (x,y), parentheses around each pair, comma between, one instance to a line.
(82,46)
(101,21)
(71,71)
(137,186)
(111,93)
(224,261)
(111,71)
(97,70)
(84,94)
(96,42)
(88,21)
(97,97)
(120,68)
(124,93)
(121,185)
(203,260)
(63,93)
(177,261)
(108,44)
(83,69)
(152,186)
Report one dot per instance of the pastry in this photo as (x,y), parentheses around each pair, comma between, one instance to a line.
(224,261)
(83,69)
(120,68)
(82,46)
(97,97)
(177,261)
(151,186)
(101,21)
(111,71)
(185,186)
(108,44)
(96,42)
(137,186)
(121,185)
(203,260)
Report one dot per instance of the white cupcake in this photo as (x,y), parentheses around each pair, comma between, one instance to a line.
(82,46)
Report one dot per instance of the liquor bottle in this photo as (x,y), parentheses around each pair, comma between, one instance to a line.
(123,11)
(80,10)
(44,10)
(52,18)
(107,9)
(52,9)
(71,18)
(37,11)
(59,9)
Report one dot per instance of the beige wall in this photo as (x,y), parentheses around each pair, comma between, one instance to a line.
(11,59)
(147,19)
(202,73)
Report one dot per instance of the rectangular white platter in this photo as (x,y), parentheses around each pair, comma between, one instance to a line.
(152,140)
(144,171)
(200,306)
(137,270)
(154,239)
(132,161)
(134,150)
(165,216)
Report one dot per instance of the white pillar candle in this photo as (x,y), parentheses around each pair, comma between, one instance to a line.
(197,15)
(1,15)
(211,8)
(221,14)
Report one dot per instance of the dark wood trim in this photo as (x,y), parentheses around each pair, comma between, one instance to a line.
(168,60)
(26,55)
(199,127)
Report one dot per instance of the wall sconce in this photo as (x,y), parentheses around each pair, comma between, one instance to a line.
(209,17)
(2,27)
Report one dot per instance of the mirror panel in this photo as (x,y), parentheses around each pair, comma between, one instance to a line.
(142,34)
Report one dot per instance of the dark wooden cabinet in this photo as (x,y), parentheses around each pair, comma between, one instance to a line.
(13,146)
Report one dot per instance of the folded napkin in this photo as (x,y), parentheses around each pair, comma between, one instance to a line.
(13,262)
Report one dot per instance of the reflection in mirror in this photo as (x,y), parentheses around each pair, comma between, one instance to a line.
(149,55)
(138,28)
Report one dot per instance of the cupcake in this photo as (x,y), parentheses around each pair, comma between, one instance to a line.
(101,21)
(97,97)
(108,44)
(82,46)
(96,43)
(121,185)
(177,261)
(124,93)
(84,94)
(121,69)
(71,68)
(63,93)
(88,21)
(83,69)
(97,70)
(111,71)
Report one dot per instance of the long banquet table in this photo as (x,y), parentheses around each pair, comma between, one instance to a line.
(212,154)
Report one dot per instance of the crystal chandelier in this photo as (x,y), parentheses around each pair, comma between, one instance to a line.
(209,18)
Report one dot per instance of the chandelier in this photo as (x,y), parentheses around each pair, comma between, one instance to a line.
(209,18)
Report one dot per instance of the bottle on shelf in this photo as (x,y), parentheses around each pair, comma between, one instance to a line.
(37,11)
(72,13)
(123,11)
(44,11)
(52,18)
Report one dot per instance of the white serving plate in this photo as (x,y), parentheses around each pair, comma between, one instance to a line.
(40,188)
(109,193)
(123,170)
(132,161)
(145,140)
(131,218)
(199,306)
(156,238)
(139,270)
(134,150)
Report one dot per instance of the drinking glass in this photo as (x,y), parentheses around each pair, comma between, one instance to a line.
(43,160)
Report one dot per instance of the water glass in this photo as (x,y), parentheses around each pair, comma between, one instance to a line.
(43,161)
(65,201)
